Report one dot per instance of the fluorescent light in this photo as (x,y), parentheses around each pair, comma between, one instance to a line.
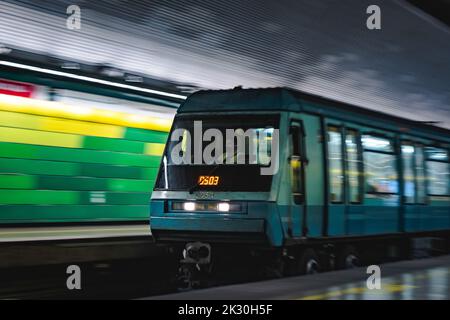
(407,149)
(189,206)
(375,142)
(90,79)
(439,156)
(223,207)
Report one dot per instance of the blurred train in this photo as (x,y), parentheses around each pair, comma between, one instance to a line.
(79,153)
(350,183)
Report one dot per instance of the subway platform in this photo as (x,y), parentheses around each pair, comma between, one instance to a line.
(423,279)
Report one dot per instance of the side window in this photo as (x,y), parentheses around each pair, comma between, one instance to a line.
(264,156)
(409,179)
(353,166)
(335,164)
(379,165)
(437,171)
(420,175)
(296,164)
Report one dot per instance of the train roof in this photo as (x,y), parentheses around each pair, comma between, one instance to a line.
(286,99)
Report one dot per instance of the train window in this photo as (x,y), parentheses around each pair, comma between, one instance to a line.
(264,156)
(335,164)
(353,166)
(436,154)
(420,175)
(377,143)
(295,139)
(437,171)
(409,181)
(237,168)
(296,163)
(379,165)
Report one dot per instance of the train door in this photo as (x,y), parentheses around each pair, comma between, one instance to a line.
(354,182)
(336,180)
(435,216)
(314,175)
(297,174)
(410,171)
(306,165)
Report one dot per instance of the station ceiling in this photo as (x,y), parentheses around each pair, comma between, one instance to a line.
(322,47)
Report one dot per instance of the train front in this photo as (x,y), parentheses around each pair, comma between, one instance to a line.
(217,179)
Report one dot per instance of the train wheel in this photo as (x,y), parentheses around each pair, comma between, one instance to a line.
(291,267)
(348,258)
(275,267)
(309,262)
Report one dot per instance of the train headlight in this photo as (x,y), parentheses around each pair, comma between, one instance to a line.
(206,206)
(189,206)
(223,207)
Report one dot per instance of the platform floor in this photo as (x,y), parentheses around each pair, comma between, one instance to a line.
(27,234)
(427,279)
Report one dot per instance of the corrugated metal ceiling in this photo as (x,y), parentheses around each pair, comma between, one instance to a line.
(322,47)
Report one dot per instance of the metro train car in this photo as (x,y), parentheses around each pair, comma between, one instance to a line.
(77,159)
(346,181)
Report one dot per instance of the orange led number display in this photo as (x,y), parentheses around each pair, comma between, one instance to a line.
(208,180)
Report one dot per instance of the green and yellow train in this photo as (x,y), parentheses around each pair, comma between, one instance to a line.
(76,171)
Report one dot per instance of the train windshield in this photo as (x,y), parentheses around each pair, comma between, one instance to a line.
(221,153)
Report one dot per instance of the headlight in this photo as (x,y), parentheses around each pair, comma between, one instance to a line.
(206,206)
(223,207)
(189,206)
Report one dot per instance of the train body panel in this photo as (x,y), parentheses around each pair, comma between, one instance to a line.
(256,215)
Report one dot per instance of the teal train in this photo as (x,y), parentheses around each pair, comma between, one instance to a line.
(347,182)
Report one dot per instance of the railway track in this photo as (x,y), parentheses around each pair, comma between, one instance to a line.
(125,279)
(120,279)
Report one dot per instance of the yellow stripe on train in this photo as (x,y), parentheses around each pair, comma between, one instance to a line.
(83,128)
(62,110)
(154,149)
(26,121)
(40,138)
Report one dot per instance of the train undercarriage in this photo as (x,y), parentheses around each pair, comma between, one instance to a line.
(202,264)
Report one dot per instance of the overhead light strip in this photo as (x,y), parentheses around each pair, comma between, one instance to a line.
(90,79)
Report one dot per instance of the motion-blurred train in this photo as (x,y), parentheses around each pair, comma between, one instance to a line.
(79,153)
(350,182)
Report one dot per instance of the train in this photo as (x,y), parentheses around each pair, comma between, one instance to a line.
(334,185)
(79,152)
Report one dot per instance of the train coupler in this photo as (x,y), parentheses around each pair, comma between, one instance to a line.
(197,253)
(195,266)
